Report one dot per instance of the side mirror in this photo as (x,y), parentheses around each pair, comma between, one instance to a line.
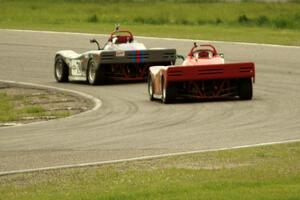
(95,41)
(92,40)
(221,55)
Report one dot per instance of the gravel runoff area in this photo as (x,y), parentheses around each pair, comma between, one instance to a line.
(26,104)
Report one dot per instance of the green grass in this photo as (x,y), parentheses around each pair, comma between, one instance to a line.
(6,108)
(15,108)
(261,173)
(32,110)
(10,111)
(248,21)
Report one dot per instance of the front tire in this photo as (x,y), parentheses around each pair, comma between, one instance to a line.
(245,89)
(95,74)
(61,70)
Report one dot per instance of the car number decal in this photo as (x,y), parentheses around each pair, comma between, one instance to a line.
(76,64)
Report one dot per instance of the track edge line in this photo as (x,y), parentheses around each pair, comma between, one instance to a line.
(157,38)
(144,158)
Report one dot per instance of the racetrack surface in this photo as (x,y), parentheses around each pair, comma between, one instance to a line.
(128,125)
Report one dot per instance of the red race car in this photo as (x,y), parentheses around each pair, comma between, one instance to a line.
(203,75)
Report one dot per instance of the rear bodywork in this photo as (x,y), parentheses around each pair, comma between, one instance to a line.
(123,65)
(202,78)
(122,59)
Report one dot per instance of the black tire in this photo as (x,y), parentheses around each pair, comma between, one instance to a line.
(168,93)
(61,70)
(245,89)
(150,88)
(95,75)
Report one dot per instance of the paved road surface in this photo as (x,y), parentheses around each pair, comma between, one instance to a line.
(128,125)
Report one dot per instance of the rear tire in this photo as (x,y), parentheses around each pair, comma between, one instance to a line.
(168,92)
(95,74)
(150,88)
(61,70)
(245,89)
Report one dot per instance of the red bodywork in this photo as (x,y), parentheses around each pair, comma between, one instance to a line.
(203,77)
(122,36)
(210,72)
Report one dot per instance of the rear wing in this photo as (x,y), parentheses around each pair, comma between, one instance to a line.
(210,72)
(138,56)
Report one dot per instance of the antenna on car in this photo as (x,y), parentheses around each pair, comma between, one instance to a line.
(117,27)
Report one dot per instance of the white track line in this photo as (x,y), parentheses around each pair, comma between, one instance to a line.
(142,158)
(156,38)
(97,102)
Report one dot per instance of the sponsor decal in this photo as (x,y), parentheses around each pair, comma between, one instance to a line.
(120,53)
(138,57)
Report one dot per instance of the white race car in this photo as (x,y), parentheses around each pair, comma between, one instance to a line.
(121,58)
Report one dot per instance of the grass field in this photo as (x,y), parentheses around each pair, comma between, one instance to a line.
(277,23)
(261,173)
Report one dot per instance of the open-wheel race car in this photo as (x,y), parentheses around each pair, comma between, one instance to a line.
(121,59)
(203,75)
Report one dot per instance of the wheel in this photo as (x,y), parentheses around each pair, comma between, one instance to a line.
(61,70)
(95,75)
(168,92)
(245,89)
(150,88)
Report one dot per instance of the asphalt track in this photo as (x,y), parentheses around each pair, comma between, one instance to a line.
(128,125)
